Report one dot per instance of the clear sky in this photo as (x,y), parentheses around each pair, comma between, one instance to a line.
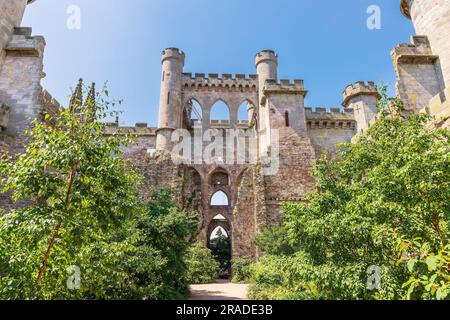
(326,43)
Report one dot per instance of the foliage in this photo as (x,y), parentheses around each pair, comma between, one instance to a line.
(168,230)
(274,241)
(241,269)
(201,265)
(429,271)
(395,176)
(221,250)
(83,212)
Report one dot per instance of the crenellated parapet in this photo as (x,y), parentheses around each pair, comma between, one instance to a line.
(359,88)
(50,105)
(283,87)
(333,118)
(173,53)
(139,129)
(419,76)
(361,98)
(213,80)
(418,52)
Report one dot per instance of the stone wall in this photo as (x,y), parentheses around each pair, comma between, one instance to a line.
(20,79)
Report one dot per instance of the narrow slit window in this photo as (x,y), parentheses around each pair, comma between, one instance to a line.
(286,118)
(164,75)
(168,97)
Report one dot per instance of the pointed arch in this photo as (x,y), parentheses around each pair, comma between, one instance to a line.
(220,111)
(192,113)
(218,230)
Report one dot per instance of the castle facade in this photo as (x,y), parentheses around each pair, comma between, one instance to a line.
(243,193)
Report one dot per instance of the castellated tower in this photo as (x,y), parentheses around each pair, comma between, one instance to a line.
(431,18)
(267,69)
(170,108)
(362,98)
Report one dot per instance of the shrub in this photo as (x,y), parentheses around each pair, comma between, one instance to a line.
(202,268)
(383,204)
(241,269)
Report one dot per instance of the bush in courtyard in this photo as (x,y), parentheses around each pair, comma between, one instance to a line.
(241,269)
(379,211)
(201,265)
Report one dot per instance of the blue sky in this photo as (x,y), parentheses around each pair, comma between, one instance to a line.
(326,43)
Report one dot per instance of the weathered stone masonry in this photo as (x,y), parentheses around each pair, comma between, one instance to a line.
(277,119)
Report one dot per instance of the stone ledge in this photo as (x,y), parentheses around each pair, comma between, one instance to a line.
(418,52)
(26,46)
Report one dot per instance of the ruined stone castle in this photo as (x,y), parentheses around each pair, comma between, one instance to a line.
(278,120)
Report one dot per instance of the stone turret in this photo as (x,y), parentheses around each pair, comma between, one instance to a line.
(266,63)
(362,98)
(431,18)
(170,107)
(266,66)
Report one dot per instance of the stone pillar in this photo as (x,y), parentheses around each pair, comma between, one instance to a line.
(170,107)
(431,18)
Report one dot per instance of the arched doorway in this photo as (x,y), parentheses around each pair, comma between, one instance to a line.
(219,242)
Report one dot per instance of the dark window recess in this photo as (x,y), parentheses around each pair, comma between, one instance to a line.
(168,97)
(164,75)
(286,118)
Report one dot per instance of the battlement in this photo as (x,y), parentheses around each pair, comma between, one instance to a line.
(266,55)
(334,118)
(140,129)
(285,86)
(418,52)
(240,81)
(173,53)
(359,88)
(50,105)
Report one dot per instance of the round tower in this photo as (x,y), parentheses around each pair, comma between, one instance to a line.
(170,99)
(11,16)
(266,67)
(431,18)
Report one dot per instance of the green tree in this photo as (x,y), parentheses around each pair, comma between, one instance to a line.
(221,250)
(201,265)
(169,230)
(392,183)
(80,191)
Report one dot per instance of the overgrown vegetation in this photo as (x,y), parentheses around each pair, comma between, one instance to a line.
(241,270)
(221,250)
(202,266)
(383,205)
(85,234)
